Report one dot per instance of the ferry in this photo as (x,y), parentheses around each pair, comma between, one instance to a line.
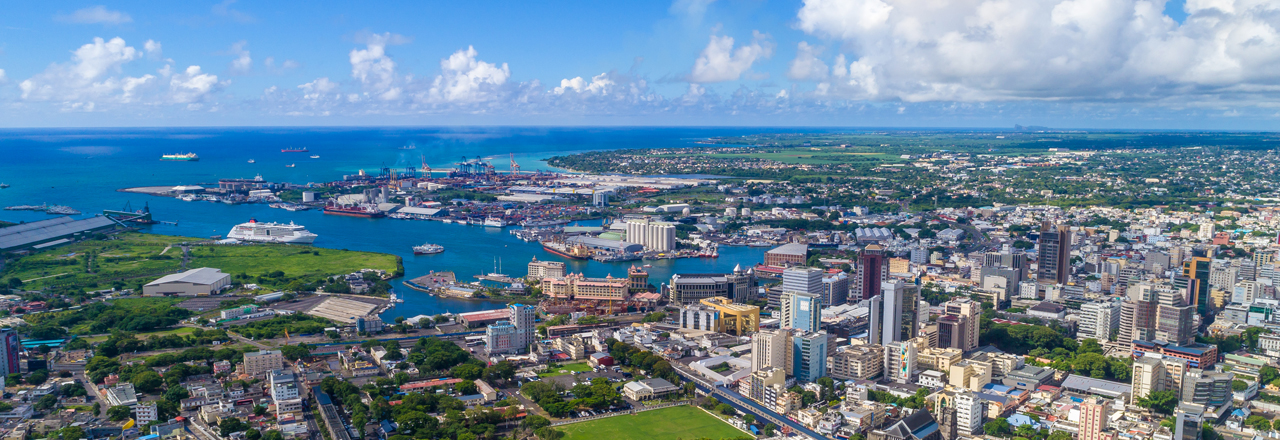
(294,150)
(272,233)
(427,249)
(496,222)
(315,156)
(188,157)
(578,252)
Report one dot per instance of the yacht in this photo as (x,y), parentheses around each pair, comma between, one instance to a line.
(272,233)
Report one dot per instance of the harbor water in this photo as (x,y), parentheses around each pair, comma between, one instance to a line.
(84,168)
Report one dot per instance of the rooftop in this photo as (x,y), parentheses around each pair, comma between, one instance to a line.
(203,275)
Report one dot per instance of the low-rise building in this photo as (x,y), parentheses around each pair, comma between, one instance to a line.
(648,389)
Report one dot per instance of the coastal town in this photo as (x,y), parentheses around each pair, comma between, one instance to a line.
(875,312)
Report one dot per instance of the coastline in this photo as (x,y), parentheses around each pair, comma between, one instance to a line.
(411,285)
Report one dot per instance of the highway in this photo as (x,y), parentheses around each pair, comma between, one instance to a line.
(743,404)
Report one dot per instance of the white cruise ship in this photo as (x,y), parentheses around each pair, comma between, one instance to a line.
(272,233)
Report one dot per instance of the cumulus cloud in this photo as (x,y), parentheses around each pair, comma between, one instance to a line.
(373,68)
(224,10)
(318,88)
(270,64)
(95,15)
(153,48)
(720,62)
(806,65)
(599,84)
(192,85)
(2,77)
(691,9)
(1105,50)
(464,78)
(243,62)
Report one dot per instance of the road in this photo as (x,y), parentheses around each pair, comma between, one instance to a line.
(743,404)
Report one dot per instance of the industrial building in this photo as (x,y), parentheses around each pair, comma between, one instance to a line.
(52,232)
(204,281)
(602,244)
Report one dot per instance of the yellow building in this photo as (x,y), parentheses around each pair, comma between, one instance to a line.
(577,286)
(735,319)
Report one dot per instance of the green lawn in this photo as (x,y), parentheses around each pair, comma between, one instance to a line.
(684,422)
(180,331)
(135,258)
(566,369)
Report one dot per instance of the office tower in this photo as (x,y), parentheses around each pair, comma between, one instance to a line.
(810,355)
(1093,419)
(859,361)
(1001,277)
(835,289)
(653,235)
(1054,264)
(1197,269)
(769,349)
(900,360)
(1189,421)
(969,412)
(968,310)
(801,311)
(10,348)
(1153,372)
(872,270)
(802,279)
(1246,291)
(1009,260)
(1174,318)
(875,319)
(513,334)
(738,285)
(1098,320)
(1223,276)
(951,331)
(897,306)
(1208,388)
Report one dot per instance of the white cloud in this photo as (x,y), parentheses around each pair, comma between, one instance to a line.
(719,62)
(599,84)
(243,62)
(270,64)
(153,48)
(192,86)
(806,65)
(1105,50)
(95,15)
(224,10)
(463,78)
(3,79)
(318,88)
(373,68)
(85,77)
(691,9)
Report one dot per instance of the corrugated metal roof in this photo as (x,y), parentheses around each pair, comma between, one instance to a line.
(26,234)
(203,275)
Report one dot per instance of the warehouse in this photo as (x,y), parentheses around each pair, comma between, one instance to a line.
(204,281)
(52,232)
(601,244)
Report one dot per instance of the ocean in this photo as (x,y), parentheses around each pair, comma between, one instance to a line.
(84,168)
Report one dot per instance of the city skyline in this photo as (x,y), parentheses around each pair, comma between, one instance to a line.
(865,63)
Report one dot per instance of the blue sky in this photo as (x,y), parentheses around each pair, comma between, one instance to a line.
(1206,64)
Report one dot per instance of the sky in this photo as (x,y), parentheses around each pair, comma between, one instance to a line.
(1104,64)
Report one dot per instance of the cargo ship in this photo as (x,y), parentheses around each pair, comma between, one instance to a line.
(576,252)
(189,157)
(361,210)
(294,150)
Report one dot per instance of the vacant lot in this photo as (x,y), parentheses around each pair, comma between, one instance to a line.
(667,423)
(566,369)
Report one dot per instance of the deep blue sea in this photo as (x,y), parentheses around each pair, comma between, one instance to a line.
(83,168)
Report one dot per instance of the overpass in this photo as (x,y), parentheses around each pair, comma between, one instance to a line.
(744,404)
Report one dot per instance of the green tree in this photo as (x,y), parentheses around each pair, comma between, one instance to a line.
(147,381)
(230,425)
(1159,401)
(998,427)
(119,413)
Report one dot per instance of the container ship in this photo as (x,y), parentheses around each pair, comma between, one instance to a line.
(294,150)
(578,252)
(361,210)
(189,157)
(272,233)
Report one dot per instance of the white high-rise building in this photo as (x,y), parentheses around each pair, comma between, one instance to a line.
(900,361)
(803,279)
(770,349)
(1098,319)
(653,235)
(969,413)
(801,311)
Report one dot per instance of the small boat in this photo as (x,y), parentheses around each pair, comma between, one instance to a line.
(289,166)
(4,185)
(427,249)
(315,157)
(294,150)
(251,160)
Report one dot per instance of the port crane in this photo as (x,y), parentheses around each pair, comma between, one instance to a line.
(515,167)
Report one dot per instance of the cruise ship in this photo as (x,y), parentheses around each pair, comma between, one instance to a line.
(189,157)
(272,233)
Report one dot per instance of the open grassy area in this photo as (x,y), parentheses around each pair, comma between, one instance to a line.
(566,369)
(668,423)
(180,331)
(134,258)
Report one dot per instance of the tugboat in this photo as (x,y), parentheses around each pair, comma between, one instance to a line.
(427,249)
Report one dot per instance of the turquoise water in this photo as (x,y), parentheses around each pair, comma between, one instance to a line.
(84,168)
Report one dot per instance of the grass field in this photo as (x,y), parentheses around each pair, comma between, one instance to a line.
(566,369)
(180,331)
(135,258)
(684,422)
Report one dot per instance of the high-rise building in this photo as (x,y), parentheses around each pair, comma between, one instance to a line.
(802,279)
(1054,263)
(9,350)
(801,311)
(545,269)
(900,315)
(653,235)
(900,361)
(1197,268)
(770,349)
(809,351)
(872,270)
(719,314)
(1098,320)
(968,310)
(969,412)
(514,334)
(951,332)
(1156,312)
(857,362)
(754,386)
(835,289)
(738,285)
(261,362)
(1093,420)
(1189,421)
(1208,388)
(1016,261)
(1154,372)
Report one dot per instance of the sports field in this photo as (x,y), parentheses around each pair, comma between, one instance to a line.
(677,422)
